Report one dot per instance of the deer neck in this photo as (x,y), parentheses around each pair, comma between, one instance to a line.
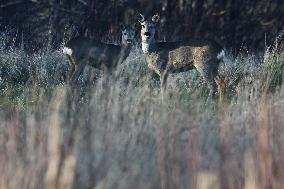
(148,46)
(126,46)
(125,49)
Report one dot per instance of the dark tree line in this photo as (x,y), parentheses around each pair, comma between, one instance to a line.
(234,23)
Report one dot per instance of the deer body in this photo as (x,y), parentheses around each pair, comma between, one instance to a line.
(82,51)
(174,57)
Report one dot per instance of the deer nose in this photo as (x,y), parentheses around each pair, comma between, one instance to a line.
(147,34)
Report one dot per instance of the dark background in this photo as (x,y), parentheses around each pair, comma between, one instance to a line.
(237,24)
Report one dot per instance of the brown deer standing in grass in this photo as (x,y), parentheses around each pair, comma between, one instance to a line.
(174,57)
(82,51)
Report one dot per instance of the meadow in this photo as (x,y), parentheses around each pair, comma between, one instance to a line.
(118,133)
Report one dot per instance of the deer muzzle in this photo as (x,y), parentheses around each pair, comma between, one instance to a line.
(147,34)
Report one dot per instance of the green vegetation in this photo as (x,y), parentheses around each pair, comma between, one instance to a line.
(117,133)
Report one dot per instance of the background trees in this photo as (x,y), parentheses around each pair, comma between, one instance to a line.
(235,23)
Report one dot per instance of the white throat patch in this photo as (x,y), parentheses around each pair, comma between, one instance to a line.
(67,51)
(145,47)
(221,55)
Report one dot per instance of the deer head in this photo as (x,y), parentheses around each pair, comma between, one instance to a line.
(148,27)
(128,33)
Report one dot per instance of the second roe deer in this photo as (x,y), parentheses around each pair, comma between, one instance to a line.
(82,51)
(173,57)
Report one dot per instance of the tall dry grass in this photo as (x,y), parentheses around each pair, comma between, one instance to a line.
(121,135)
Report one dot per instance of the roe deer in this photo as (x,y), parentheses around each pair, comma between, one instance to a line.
(82,51)
(174,57)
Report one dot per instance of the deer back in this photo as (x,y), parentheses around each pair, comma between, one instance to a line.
(94,52)
(181,54)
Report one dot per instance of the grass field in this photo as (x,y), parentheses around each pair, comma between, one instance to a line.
(119,134)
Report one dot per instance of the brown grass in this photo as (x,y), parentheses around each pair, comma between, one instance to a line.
(122,136)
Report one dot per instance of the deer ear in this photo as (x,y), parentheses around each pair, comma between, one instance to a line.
(135,26)
(122,27)
(141,18)
(156,18)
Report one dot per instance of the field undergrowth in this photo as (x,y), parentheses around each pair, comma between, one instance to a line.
(119,134)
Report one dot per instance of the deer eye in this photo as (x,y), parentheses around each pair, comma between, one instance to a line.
(124,33)
(143,26)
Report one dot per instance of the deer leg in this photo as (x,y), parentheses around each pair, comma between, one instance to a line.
(73,75)
(71,72)
(72,67)
(206,71)
(221,86)
(212,85)
(106,76)
(77,72)
(163,78)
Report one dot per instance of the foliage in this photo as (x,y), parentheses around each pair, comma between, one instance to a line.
(235,23)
